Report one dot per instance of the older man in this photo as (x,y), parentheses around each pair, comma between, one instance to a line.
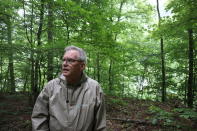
(72,102)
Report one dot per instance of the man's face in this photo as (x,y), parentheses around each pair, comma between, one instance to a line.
(71,66)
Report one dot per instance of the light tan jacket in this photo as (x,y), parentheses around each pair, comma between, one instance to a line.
(62,107)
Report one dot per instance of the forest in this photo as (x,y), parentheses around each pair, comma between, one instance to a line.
(144,58)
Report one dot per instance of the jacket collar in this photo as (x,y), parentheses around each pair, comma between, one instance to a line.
(83,79)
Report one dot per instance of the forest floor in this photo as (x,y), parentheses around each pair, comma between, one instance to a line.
(126,114)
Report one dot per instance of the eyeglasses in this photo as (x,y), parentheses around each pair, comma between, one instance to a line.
(71,61)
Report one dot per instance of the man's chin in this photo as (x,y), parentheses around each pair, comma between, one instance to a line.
(65,74)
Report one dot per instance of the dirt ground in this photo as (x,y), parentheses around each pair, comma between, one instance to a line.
(122,115)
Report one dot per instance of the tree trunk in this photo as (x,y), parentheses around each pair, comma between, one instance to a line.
(11,60)
(190,76)
(68,33)
(110,71)
(88,67)
(32,77)
(162,60)
(1,73)
(98,67)
(25,83)
(30,40)
(195,75)
(36,79)
(110,75)
(37,61)
(94,72)
(40,77)
(185,91)
(163,72)
(50,41)
(5,83)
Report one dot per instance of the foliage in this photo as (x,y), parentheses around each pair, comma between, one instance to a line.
(116,101)
(161,115)
(186,113)
(120,37)
(172,118)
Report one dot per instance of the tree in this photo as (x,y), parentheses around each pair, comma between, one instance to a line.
(162,59)
(185,16)
(191,64)
(6,14)
(50,40)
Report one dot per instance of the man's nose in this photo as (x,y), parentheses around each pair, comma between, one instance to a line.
(65,62)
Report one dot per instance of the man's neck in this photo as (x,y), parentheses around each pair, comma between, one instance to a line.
(73,81)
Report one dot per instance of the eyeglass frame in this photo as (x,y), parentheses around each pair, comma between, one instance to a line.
(70,61)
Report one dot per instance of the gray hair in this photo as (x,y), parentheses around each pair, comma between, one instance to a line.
(82,53)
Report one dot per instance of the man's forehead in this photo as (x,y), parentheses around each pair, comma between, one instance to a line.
(71,53)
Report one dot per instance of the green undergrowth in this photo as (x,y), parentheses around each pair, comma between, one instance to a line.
(186,113)
(15,108)
(160,115)
(181,118)
(119,102)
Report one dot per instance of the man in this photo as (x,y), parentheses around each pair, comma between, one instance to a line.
(72,102)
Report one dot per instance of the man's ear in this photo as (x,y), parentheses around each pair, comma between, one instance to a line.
(83,66)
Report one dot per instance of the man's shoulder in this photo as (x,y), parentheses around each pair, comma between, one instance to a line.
(92,81)
(94,86)
(51,85)
(52,82)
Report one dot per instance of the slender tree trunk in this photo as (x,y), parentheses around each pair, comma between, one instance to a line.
(88,61)
(67,30)
(40,77)
(1,69)
(190,77)
(43,80)
(68,33)
(5,83)
(32,77)
(185,91)
(25,25)
(94,72)
(123,78)
(37,61)
(119,16)
(195,75)
(25,83)
(162,59)
(50,41)
(110,75)
(1,73)
(36,79)
(32,61)
(11,60)
(163,72)
(110,71)
(98,67)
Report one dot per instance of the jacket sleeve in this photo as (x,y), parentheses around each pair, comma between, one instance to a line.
(40,114)
(100,112)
